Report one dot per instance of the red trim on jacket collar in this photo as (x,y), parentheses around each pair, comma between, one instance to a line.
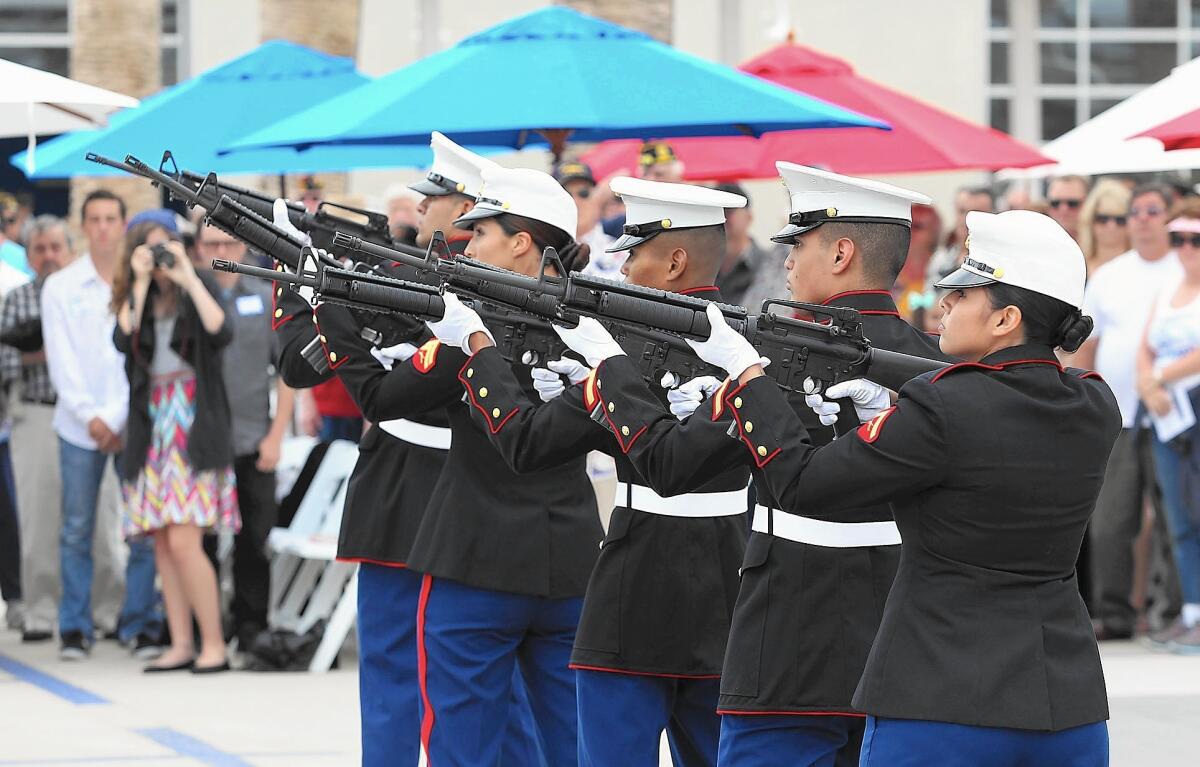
(845,293)
(997,367)
(698,289)
(891,311)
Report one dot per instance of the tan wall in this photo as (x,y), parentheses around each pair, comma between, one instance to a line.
(113,50)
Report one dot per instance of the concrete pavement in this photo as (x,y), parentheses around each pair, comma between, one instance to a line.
(103,711)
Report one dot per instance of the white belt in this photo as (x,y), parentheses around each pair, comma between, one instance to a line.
(820,532)
(437,437)
(642,498)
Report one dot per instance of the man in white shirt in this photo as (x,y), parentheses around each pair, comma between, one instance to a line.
(93,400)
(1119,298)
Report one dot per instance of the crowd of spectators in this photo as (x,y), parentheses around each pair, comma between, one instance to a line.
(122,351)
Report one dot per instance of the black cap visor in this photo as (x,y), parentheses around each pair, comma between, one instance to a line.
(963,278)
(466,220)
(788,234)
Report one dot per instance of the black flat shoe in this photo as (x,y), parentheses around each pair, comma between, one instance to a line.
(152,669)
(222,666)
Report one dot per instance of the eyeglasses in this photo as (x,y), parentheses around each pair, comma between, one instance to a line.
(1065,202)
(1149,212)
(1179,239)
(1105,219)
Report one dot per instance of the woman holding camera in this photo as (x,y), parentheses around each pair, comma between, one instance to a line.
(176,468)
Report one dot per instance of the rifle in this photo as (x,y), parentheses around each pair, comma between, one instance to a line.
(206,191)
(804,355)
(662,357)
(519,337)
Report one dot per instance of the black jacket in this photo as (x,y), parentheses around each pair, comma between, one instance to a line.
(485,526)
(806,615)
(209,443)
(661,596)
(393,480)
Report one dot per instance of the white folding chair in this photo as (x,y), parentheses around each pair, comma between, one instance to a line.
(324,497)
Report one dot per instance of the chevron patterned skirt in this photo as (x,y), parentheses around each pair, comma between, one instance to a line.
(168,491)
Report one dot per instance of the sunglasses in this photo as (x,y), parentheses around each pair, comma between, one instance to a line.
(1102,219)
(1067,203)
(1150,212)
(1179,239)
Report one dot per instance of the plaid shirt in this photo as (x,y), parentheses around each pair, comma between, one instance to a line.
(22,304)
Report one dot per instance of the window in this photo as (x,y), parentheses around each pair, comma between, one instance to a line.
(999,62)
(38,33)
(998,109)
(1132,63)
(1091,54)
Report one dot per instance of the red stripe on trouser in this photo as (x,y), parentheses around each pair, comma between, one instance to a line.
(423,666)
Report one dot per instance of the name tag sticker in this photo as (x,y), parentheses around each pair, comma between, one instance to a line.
(250,305)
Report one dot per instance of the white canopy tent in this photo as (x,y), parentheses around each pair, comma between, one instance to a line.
(33,102)
(1102,144)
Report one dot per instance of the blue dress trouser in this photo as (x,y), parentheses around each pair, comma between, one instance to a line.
(914,743)
(388,686)
(783,740)
(622,717)
(470,642)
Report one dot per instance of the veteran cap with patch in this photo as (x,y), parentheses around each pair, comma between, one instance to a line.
(653,207)
(455,170)
(523,192)
(1023,249)
(818,196)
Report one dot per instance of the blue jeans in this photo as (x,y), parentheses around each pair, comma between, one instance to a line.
(340,427)
(82,472)
(1182,520)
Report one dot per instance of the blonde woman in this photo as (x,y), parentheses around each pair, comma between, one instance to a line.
(1102,232)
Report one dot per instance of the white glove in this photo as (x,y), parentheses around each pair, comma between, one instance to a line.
(725,347)
(590,340)
(685,399)
(548,382)
(279,215)
(869,399)
(391,354)
(457,324)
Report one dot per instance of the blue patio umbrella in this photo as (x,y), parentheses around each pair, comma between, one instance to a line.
(197,117)
(554,74)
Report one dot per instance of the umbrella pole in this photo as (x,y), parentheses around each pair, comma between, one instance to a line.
(283,186)
(558,141)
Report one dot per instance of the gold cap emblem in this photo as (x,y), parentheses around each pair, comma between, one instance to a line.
(460,186)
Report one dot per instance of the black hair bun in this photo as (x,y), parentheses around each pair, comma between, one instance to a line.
(575,256)
(1075,329)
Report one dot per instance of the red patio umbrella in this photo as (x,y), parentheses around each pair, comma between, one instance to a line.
(1181,133)
(923,137)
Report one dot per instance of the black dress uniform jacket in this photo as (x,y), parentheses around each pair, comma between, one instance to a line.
(661,596)
(806,615)
(993,469)
(392,480)
(485,526)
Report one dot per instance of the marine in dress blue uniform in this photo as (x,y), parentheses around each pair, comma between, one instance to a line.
(812,588)
(504,558)
(652,634)
(985,655)
(398,467)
